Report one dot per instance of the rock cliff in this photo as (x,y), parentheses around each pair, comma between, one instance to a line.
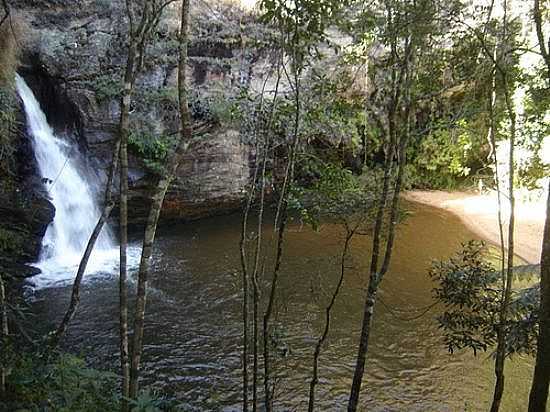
(73,55)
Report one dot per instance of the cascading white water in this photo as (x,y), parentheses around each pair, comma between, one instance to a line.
(73,193)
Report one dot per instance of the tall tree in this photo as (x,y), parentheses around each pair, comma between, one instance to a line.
(136,32)
(158,199)
(541,378)
(302,25)
(503,69)
(401,45)
(4,332)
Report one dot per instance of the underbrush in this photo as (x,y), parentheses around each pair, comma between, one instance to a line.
(65,383)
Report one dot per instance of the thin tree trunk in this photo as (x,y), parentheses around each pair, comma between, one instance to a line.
(4,332)
(245,284)
(539,27)
(129,77)
(255,313)
(541,379)
(243,253)
(256,294)
(507,290)
(499,370)
(328,309)
(373,278)
(281,217)
(124,130)
(503,317)
(269,310)
(75,295)
(157,201)
(374,281)
(376,275)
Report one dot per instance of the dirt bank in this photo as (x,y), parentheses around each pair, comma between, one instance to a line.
(479,213)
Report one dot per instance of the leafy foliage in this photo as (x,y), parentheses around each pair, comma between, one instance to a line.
(66,384)
(152,149)
(107,87)
(335,195)
(470,289)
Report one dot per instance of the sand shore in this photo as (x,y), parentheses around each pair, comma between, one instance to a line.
(479,214)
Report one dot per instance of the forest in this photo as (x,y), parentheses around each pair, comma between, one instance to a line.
(274,205)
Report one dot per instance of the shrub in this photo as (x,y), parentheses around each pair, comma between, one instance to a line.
(150,148)
(64,384)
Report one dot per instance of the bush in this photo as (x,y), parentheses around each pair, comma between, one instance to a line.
(64,384)
(470,287)
(152,149)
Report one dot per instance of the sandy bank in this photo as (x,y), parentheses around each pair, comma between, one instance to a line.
(479,213)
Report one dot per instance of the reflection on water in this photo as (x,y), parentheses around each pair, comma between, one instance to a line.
(193,329)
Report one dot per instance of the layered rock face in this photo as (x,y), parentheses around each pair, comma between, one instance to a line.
(73,57)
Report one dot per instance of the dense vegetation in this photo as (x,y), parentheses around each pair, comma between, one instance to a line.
(359,102)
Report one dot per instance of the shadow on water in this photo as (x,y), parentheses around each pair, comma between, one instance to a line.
(193,325)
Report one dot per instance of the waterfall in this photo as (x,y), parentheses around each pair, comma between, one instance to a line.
(73,191)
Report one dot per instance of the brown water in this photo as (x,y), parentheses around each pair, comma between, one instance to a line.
(193,325)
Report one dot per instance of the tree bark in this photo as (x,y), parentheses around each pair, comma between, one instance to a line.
(269,310)
(137,37)
(281,220)
(374,280)
(157,201)
(507,290)
(245,285)
(75,295)
(374,276)
(321,341)
(4,332)
(541,379)
(401,86)
(501,333)
(256,287)
(124,131)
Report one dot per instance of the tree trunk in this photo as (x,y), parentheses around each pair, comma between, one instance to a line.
(507,293)
(245,281)
(269,310)
(157,201)
(541,379)
(245,285)
(401,86)
(124,131)
(363,343)
(129,78)
(328,310)
(370,299)
(4,332)
(75,295)
(256,288)
(281,220)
